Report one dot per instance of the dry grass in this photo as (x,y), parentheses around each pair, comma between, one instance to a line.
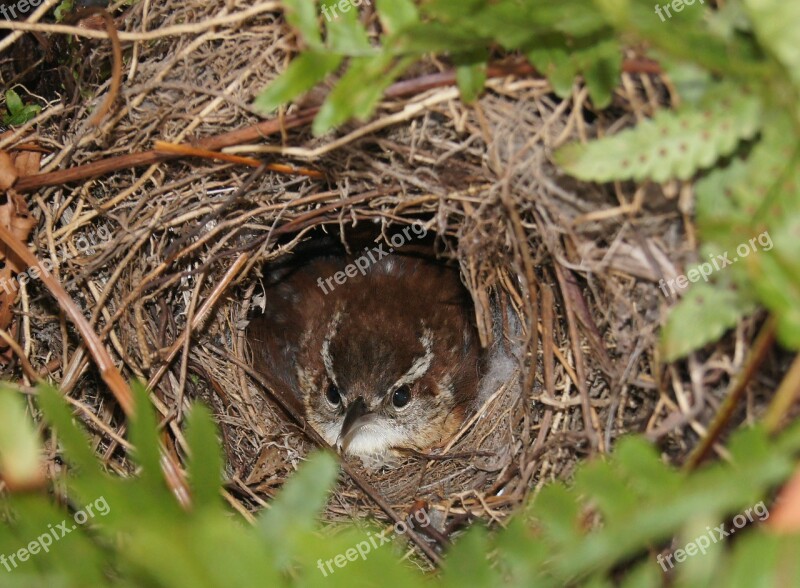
(169,293)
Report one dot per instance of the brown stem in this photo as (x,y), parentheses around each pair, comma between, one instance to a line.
(786,395)
(761,346)
(108,371)
(270,127)
(116,66)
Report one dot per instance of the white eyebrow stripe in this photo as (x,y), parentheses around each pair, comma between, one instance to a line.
(327,359)
(421,365)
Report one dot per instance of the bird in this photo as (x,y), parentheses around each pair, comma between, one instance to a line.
(378,346)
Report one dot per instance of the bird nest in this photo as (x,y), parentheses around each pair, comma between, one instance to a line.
(563,275)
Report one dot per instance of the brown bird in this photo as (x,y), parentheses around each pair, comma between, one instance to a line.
(378,346)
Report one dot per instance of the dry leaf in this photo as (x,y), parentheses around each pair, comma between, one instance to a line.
(27,163)
(8,173)
(785,516)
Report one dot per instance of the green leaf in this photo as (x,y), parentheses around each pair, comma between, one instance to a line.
(747,207)
(555,64)
(63,9)
(72,437)
(522,554)
(729,20)
(699,569)
(346,34)
(557,512)
(292,516)
(671,145)
(471,80)
(761,560)
(302,15)
(680,36)
(638,463)
(703,315)
(305,72)
(18,113)
(776,26)
(562,59)
(644,575)
(419,38)
(358,91)
(143,434)
(13,102)
(602,67)
(691,81)
(466,563)
(20,449)
(205,460)
(452,9)
(396,15)
(609,491)
(777,281)
(73,559)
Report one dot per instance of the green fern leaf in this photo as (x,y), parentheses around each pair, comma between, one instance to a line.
(71,436)
(466,562)
(303,16)
(638,462)
(305,72)
(144,436)
(609,492)
(471,78)
(747,208)
(358,91)
(776,26)
(763,559)
(555,64)
(396,15)
(205,459)
(701,317)
(346,34)
(672,144)
(556,512)
(292,516)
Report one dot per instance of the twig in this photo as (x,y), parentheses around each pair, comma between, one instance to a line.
(787,394)
(112,164)
(108,371)
(761,347)
(35,17)
(116,66)
(32,374)
(188,150)
(256,132)
(172,31)
(569,288)
(199,318)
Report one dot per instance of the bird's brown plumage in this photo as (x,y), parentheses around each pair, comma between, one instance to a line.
(389,358)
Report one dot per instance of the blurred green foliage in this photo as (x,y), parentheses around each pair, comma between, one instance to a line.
(604,530)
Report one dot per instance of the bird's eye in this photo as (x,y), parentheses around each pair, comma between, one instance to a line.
(401,396)
(333,395)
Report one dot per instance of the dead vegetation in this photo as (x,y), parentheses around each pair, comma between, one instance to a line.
(168,294)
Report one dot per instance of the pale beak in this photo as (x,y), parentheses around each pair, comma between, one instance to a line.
(356,410)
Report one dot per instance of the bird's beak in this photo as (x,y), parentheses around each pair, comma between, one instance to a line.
(355,411)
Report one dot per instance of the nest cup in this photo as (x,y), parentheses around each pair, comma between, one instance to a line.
(472,460)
